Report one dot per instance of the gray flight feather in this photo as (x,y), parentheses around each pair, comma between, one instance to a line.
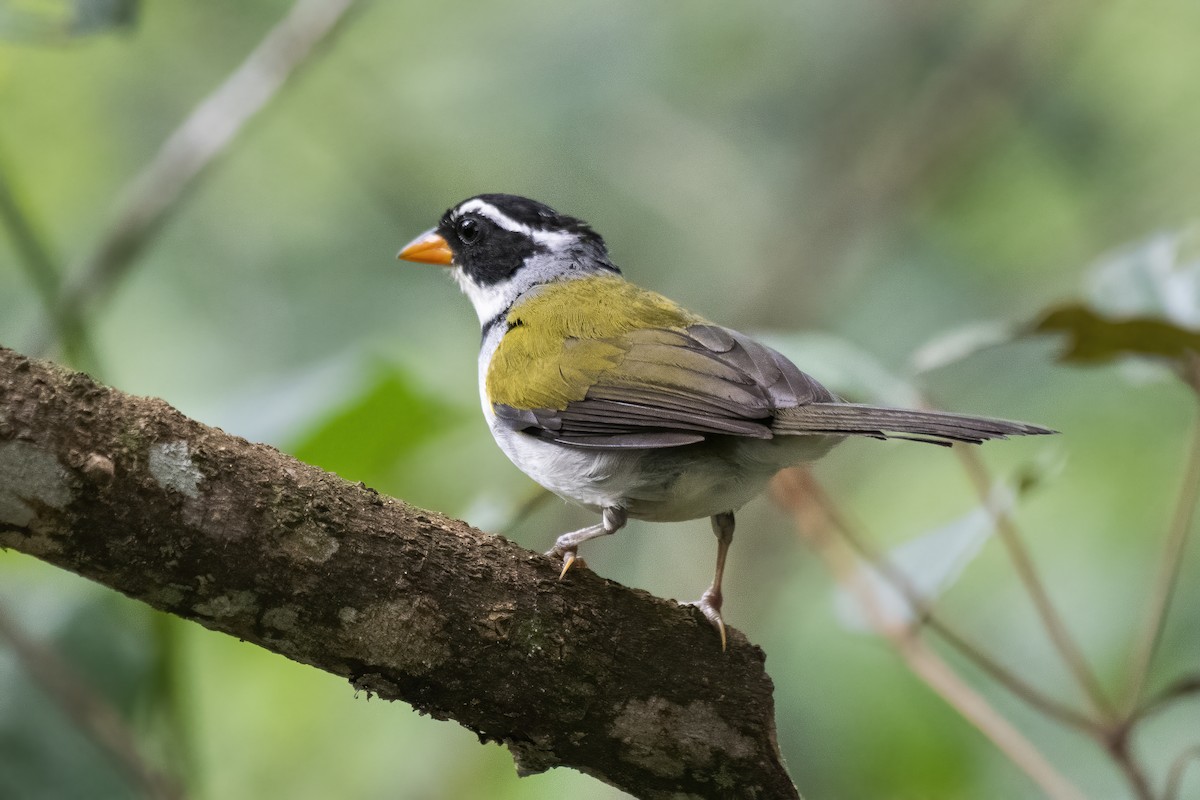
(851,418)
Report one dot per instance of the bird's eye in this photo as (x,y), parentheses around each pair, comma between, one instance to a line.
(468,229)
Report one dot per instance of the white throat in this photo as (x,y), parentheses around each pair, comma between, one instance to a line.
(489,301)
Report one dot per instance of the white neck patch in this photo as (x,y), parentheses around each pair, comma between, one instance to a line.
(553,240)
(489,301)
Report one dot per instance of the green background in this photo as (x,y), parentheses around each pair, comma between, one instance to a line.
(876,172)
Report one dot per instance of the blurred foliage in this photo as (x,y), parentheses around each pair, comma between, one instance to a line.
(40,20)
(933,561)
(882,173)
(1141,301)
(381,427)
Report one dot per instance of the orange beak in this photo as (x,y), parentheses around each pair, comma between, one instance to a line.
(428,248)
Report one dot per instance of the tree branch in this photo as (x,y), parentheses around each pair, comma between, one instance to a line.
(404,603)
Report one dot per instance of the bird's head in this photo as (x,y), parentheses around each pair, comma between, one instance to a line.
(500,245)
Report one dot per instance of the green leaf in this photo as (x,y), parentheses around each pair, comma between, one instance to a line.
(1155,278)
(365,439)
(1094,338)
(1142,300)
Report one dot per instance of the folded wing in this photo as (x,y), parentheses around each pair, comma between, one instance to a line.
(669,387)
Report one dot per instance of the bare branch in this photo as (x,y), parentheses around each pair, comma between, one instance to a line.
(1168,574)
(41,268)
(923,661)
(1120,748)
(1179,689)
(404,603)
(922,609)
(1053,622)
(189,150)
(31,250)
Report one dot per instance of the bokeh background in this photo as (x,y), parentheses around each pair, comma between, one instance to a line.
(852,178)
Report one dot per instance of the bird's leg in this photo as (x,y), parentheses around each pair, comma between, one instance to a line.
(612,519)
(710,602)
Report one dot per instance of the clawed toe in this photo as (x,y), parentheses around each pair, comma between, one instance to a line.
(568,559)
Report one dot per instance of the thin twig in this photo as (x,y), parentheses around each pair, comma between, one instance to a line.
(1178,767)
(94,715)
(529,505)
(1115,733)
(1120,750)
(40,266)
(1168,574)
(1160,700)
(189,150)
(1056,629)
(935,672)
(922,610)
(42,269)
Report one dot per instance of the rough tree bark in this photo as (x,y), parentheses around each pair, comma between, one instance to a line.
(406,604)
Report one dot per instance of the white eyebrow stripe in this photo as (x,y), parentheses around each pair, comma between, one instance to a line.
(485,209)
(551,239)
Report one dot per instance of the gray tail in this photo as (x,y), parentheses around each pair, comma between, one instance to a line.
(934,427)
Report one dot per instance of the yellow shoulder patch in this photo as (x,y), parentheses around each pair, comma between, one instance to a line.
(567,334)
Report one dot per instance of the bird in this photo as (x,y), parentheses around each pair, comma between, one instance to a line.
(620,400)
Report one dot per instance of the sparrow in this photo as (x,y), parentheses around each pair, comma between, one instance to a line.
(620,400)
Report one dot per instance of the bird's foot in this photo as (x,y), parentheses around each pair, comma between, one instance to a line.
(567,545)
(710,606)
